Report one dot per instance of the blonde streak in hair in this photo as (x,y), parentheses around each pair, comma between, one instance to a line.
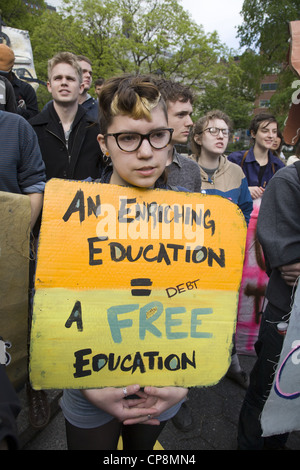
(114,106)
(141,110)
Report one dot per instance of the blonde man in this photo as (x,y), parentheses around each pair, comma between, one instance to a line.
(67,136)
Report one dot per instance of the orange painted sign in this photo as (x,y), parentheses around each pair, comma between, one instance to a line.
(134,286)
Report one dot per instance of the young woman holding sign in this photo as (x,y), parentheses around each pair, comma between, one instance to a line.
(136,137)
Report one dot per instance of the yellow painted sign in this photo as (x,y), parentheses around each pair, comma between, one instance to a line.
(134,286)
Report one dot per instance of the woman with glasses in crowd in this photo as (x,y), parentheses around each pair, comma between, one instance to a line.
(259,163)
(135,136)
(209,140)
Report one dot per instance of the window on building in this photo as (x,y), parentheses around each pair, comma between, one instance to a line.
(269,86)
(264,103)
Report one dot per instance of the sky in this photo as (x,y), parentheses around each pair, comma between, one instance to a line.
(217,15)
(213,15)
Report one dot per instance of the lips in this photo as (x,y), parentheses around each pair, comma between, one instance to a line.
(146,170)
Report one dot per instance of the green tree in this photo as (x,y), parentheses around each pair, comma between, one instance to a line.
(229,93)
(148,36)
(15,13)
(129,36)
(265,29)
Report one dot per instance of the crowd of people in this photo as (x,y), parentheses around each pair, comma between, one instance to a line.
(129,136)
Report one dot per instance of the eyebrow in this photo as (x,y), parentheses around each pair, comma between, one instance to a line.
(135,132)
(68,77)
(184,112)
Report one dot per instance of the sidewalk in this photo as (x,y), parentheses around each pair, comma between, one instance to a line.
(215,409)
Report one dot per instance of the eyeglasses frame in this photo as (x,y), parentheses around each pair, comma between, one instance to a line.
(220,130)
(143,137)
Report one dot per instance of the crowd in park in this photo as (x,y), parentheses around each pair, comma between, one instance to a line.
(129,136)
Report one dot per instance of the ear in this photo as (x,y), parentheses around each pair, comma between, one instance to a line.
(49,87)
(197,139)
(81,88)
(101,142)
(253,134)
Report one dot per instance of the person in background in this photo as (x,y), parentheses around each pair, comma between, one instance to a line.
(258,163)
(209,140)
(7,96)
(278,231)
(25,95)
(22,170)
(67,136)
(181,170)
(98,84)
(277,146)
(85,99)
(136,136)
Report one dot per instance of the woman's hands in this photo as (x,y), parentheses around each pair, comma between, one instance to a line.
(161,399)
(113,401)
(256,191)
(151,402)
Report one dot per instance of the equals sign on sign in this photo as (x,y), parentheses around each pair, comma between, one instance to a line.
(140,284)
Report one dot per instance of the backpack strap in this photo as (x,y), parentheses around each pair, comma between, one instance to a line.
(244,158)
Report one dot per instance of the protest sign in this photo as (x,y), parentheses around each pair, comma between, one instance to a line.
(134,286)
(281,412)
(14,275)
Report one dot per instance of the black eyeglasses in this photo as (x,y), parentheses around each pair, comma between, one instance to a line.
(216,131)
(131,141)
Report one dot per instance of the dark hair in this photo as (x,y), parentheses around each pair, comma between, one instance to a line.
(174,91)
(258,119)
(128,95)
(277,152)
(201,124)
(99,81)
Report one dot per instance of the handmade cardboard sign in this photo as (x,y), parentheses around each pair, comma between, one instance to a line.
(281,412)
(14,276)
(134,286)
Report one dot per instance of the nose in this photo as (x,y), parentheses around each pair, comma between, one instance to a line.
(188,121)
(145,150)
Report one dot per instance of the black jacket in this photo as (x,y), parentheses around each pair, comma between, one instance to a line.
(25,92)
(81,159)
(278,230)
